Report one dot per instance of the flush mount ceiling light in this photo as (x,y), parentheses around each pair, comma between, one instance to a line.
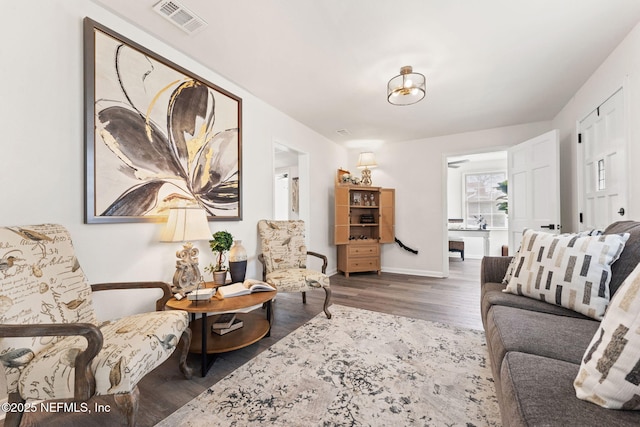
(406,88)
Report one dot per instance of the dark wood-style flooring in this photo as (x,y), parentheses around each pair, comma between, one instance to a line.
(454,300)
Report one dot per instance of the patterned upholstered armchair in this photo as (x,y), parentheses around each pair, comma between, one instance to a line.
(53,347)
(284,260)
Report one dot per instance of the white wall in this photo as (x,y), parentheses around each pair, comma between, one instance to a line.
(620,69)
(417,170)
(42,160)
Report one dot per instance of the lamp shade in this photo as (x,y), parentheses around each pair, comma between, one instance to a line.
(406,88)
(186,224)
(366,160)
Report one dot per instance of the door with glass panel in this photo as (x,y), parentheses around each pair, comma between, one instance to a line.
(603,147)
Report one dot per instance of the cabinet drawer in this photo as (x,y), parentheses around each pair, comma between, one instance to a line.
(363,264)
(364,250)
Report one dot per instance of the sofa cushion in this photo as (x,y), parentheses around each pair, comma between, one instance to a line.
(567,270)
(610,371)
(563,338)
(297,280)
(514,329)
(630,257)
(494,296)
(538,391)
(133,346)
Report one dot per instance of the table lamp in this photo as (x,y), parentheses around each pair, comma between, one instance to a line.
(186,224)
(366,161)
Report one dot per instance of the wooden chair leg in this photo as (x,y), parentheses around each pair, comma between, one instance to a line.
(304,297)
(128,405)
(183,345)
(13,418)
(327,300)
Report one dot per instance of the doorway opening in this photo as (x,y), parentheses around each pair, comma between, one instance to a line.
(290,178)
(476,220)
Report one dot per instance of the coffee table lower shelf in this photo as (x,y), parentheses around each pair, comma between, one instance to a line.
(254,328)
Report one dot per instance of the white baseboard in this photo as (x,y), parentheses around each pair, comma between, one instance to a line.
(407,271)
(413,272)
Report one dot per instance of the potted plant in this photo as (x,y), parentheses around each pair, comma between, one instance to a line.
(503,205)
(221,243)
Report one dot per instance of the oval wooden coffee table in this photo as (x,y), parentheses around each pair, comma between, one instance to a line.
(255,326)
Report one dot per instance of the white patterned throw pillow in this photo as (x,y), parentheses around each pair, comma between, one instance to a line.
(571,271)
(609,375)
(512,263)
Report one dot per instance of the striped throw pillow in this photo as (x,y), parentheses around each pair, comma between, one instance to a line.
(609,375)
(571,271)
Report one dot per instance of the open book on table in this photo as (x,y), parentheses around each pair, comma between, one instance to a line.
(247,287)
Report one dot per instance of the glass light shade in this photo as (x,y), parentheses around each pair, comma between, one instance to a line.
(406,88)
(186,224)
(366,160)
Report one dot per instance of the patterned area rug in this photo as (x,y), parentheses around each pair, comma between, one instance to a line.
(359,368)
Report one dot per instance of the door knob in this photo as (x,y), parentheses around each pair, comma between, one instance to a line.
(550,226)
(621,211)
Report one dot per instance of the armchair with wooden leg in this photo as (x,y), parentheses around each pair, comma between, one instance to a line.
(51,344)
(284,260)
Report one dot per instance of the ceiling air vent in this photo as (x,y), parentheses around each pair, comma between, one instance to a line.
(180,16)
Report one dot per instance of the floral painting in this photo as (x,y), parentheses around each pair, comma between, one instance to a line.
(157,135)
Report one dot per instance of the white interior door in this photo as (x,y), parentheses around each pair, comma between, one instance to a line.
(533,170)
(603,159)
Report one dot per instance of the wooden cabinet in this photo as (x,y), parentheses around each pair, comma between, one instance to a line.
(364,219)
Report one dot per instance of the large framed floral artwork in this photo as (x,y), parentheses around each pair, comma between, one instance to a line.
(157,136)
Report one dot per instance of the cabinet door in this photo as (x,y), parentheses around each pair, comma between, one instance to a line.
(387,215)
(341,217)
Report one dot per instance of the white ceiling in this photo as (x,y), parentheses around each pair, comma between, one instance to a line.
(326,63)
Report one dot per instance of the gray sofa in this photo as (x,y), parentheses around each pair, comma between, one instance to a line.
(536,348)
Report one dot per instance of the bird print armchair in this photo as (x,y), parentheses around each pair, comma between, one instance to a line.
(51,344)
(284,259)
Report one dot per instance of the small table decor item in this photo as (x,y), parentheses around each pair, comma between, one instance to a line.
(221,243)
(237,261)
(247,287)
(343,177)
(201,294)
(186,224)
(237,324)
(224,321)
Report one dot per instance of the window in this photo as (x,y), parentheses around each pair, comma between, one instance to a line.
(481,199)
(601,176)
